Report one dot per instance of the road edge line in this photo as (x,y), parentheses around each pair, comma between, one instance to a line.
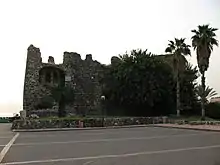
(7,147)
(186,128)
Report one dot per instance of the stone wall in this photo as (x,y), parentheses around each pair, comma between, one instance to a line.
(87,122)
(81,75)
(31,83)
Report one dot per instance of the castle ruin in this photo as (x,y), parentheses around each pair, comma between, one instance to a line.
(81,75)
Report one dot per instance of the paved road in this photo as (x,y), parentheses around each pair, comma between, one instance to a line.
(134,146)
(5,134)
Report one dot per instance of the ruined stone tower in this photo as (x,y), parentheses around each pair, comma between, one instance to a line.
(81,75)
(31,82)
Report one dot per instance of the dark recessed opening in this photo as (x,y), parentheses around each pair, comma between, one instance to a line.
(55,77)
(48,77)
(51,75)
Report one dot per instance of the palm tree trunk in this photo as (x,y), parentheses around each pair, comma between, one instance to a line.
(61,108)
(203,96)
(177,97)
(176,70)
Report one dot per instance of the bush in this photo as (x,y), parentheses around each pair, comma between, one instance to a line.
(45,112)
(45,103)
(213,110)
(204,122)
(4,120)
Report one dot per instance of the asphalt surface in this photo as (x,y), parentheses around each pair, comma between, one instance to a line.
(5,134)
(128,146)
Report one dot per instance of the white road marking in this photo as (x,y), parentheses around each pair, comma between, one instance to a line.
(7,147)
(109,140)
(89,162)
(114,156)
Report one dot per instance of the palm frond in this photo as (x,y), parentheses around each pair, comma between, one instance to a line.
(214,29)
(171,42)
(203,41)
(186,51)
(208,93)
(194,31)
(212,93)
(214,41)
(168,50)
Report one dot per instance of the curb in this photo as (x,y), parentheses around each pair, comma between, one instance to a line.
(176,127)
(76,129)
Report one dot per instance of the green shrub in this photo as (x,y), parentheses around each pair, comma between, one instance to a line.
(213,110)
(45,102)
(4,120)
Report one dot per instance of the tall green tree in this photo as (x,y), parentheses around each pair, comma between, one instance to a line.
(141,84)
(178,48)
(188,83)
(203,40)
(62,95)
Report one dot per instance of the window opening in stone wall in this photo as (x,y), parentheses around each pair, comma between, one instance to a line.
(41,77)
(48,77)
(55,77)
(51,76)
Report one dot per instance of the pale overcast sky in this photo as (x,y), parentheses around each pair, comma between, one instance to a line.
(103,28)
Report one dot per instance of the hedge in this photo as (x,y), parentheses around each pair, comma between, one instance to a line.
(87,122)
(213,110)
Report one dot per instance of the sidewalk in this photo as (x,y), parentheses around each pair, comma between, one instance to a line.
(193,127)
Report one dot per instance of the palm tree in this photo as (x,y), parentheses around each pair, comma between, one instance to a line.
(178,48)
(208,93)
(203,42)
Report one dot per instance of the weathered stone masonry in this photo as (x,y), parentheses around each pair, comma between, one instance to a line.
(81,75)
